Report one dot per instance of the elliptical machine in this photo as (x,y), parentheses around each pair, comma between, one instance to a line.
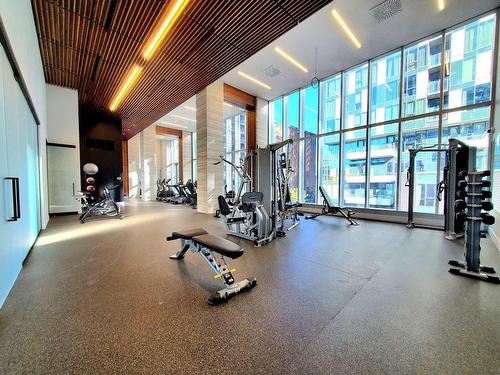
(247,218)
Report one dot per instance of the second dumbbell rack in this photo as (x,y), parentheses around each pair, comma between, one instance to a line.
(472,266)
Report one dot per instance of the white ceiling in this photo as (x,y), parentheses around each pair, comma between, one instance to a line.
(418,19)
(171,121)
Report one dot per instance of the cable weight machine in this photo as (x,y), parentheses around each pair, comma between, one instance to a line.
(458,157)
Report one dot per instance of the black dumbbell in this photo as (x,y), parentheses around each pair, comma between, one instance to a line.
(461,194)
(487,206)
(486,183)
(486,194)
(460,219)
(485,173)
(460,205)
(487,218)
(462,174)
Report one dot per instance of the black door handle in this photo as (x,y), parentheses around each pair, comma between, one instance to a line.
(15,198)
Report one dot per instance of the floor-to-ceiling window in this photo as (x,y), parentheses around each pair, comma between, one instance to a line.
(309,145)
(276,120)
(354,129)
(291,131)
(172,160)
(235,129)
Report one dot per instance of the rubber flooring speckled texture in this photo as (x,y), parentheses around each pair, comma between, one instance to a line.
(104,298)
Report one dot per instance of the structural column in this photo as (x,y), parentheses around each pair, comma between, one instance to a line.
(148,159)
(210,133)
(134,166)
(187,156)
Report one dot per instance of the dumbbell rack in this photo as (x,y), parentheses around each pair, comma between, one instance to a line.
(470,209)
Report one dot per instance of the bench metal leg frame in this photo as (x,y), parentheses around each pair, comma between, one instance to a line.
(185,245)
(221,271)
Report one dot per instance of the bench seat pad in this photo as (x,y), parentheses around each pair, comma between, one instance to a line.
(220,245)
(189,233)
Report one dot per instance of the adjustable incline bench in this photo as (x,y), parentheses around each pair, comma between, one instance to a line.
(199,241)
(329,208)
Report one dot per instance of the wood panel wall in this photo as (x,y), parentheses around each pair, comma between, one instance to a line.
(91,45)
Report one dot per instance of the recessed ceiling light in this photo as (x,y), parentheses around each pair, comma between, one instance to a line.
(291,59)
(184,118)
(126,86)
(250,78)
(344,26)
(441,5)
(167,23)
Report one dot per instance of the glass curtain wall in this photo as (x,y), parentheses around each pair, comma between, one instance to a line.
(172,160)
(291,131)
(353,130)
(235,130)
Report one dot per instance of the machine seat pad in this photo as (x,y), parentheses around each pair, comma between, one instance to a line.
(189,233)
(220,245)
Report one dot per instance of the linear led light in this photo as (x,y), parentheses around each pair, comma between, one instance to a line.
(344,26)
(291,59)
(254,80)
(441,5)
(190,108)
(184,118)
(167,23)
(126,86)
(172,124)
(228,104)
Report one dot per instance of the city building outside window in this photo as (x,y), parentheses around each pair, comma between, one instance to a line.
(368,117)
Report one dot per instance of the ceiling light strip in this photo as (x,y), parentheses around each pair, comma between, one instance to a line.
(291,59)
(441,5)
(190,108)
(163,30)
(346,28)
(184,118)
(127,85)
(250,78)
(172,124)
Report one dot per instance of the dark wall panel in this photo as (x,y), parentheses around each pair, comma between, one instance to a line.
(101,144)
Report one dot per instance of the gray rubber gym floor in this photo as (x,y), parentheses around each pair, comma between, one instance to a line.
(105,298)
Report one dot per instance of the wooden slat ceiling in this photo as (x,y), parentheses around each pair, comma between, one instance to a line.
(90,45)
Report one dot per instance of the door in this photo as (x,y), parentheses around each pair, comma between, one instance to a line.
(19,177)
(63,179)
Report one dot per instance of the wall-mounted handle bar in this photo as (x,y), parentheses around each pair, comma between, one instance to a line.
(16,201)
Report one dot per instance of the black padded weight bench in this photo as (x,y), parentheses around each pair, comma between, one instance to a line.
(330,208)
(199,241)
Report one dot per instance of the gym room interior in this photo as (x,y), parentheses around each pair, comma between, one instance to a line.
(249,187)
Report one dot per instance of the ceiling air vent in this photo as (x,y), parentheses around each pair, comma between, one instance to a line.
(386,10)
(271,71)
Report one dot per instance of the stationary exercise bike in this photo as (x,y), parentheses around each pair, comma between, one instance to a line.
(96,205)
(105,206)
(247,217)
